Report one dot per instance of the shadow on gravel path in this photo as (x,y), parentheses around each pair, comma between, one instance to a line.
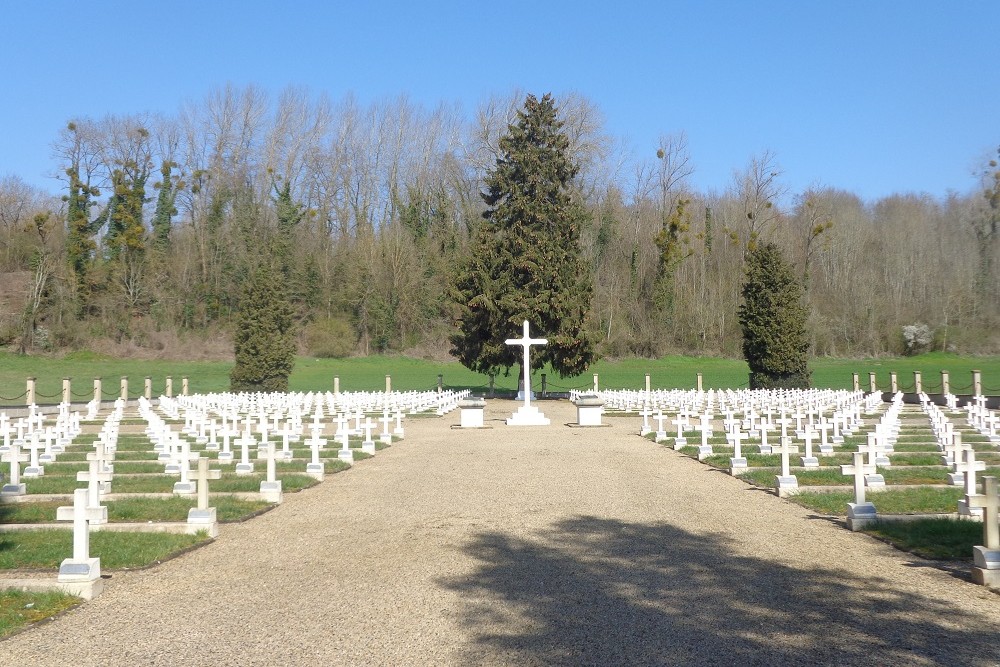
(604,592)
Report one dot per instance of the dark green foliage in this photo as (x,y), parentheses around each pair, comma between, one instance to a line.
(165,209)
(263,342)
(773,321)
(525,262)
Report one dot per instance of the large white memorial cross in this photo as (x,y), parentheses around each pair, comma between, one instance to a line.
(527,415)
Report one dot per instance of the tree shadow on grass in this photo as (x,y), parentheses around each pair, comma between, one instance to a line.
(604,592)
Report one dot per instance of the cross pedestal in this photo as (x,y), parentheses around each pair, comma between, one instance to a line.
(986,557)
(527,414)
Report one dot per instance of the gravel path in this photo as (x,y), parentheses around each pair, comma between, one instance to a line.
(529,546)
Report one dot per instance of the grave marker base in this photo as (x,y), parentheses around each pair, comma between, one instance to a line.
(346,455)
(787,486)
(966,511)
(527,416)
(204,520)
(271,492)
(809,462)
(860,515)
(316,471)
(244,468)
(13,490)
(78,571)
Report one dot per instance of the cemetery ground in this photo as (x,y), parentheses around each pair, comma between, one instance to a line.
(368,373)
(528,546)
(143,514)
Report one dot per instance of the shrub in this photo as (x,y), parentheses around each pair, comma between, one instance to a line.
(330,338)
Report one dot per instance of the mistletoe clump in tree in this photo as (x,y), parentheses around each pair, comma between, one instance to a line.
(263,341)
(525,262)
(773,320)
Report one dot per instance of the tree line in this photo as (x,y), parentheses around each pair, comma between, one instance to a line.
(364,214)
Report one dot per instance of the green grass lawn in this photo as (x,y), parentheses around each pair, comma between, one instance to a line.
(936,539)
(891,501)
(368,373)
(228,508)
(18,609)
(46,549)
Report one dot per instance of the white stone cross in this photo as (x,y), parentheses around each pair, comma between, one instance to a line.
(526,415)
(203,475)
(526,341)
(989,502)
(737,436)
(14,486)
(859,470)
(81,567)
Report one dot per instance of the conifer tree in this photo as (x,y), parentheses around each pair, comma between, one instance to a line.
(773,320)
(262,340)
(525,262)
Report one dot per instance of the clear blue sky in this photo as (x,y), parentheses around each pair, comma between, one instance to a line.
(871,96)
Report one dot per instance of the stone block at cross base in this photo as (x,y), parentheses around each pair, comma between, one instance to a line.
(737,466)
(679,443)
(787,486)
(271,492)
(860,515)
(203,520)
(986,566)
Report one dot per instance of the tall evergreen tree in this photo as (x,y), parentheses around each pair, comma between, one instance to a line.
(773,320)
(525,262)
(263,341)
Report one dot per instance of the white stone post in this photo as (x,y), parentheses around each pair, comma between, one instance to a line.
(918,385)
(857,382)
(97,390)
(945,383)
(124,386)
(596,384)
(336,385)
(700,388)
(169,388)
(67,396)
(388,384)
(977,383)
(893,382)
(184,386)
(871,381)
(147,388)
(30,392)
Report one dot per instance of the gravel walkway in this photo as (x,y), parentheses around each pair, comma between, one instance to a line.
(529,546)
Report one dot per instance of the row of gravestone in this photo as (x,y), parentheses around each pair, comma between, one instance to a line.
(880,439)
(174,451)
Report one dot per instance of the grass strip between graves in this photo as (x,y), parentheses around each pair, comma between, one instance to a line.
(129,510)
(19,609)
(892,501)
(44,549)
(934,538)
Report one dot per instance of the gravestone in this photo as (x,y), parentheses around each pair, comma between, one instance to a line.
(203,517)
(787,483)
(986,557)
(81,569)
(859,513)
(270,488)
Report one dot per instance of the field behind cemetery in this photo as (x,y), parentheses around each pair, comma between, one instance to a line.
(368,373)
